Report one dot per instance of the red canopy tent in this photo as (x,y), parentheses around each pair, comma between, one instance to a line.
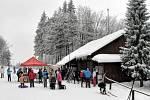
(33,62)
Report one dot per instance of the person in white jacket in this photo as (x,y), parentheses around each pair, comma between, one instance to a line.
(94,78)
(2,72)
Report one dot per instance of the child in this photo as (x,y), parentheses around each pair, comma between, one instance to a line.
(21,79)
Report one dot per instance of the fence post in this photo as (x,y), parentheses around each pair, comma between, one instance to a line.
(132,94)
(110,86)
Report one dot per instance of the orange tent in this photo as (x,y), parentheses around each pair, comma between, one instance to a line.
(33,62)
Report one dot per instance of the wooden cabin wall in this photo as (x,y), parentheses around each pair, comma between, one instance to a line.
(111,48)
(114,71)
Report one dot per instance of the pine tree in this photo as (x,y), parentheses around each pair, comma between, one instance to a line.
(64,9)
(60,29)
(65,30)
(135,54)
(72,26)
(49,37)
(5,54)
(39,38)
(86,23)
(71,8)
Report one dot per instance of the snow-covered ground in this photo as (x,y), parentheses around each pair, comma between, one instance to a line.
(10,91)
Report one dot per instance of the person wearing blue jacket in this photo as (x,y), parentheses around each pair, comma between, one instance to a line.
(9,74)
(45,77)
(87,75)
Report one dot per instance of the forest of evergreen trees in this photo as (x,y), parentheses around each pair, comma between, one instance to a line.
(70,28)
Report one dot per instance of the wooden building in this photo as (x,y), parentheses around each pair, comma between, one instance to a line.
(111,65)
(84,56)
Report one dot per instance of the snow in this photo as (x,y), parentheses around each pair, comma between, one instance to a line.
(10,91)
(91,47)
(103,58)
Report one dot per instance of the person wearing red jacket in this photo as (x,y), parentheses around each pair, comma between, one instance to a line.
(59,78)
(82,78)
(31,78)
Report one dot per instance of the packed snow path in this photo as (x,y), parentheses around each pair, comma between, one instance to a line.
(10,91)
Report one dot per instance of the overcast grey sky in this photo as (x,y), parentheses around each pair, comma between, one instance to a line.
(19,19)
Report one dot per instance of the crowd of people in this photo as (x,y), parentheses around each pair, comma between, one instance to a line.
(44,76)
(84,76)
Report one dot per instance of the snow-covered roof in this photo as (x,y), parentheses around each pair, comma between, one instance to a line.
(105,58)
(91,47)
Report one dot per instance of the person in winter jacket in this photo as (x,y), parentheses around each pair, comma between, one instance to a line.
(94,78)
(59,78)
(21,79)
(52,79)
(102,85)
(29,70)
(2,72)
(40,76)
(82,78)
(19,72)
(87,74)
(45,77)
(9,74)
(31,78)
(76,76)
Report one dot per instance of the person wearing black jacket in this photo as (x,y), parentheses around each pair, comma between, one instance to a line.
(76,76)
(19,72)
(40,76)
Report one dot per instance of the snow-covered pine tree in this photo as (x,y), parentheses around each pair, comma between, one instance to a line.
(5,54)
(145,52)
(136,53)
(60,29)
(49,37)
(72,26)
(71,7)
(65,29)
(64,9)
(65,49)
(39,41)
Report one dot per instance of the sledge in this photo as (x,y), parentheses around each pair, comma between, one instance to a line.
(25,86)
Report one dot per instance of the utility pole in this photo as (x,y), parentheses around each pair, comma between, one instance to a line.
(107,34)
(108,21)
